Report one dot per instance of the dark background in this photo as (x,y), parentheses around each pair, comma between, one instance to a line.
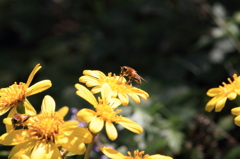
(181,47)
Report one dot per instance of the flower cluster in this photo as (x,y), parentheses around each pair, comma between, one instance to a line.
(46,135)
(222,93)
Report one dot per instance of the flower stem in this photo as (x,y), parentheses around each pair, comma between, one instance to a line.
(89,148)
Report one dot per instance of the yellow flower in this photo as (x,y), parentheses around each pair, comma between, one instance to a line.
(222,93)
(236,111)
(120,87)
(47,132)
(111,153)
(15,95)
(105,113)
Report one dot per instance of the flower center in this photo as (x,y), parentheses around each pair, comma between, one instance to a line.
(229,88)
(117,83)
(107,113)
(137,155)
(12,95)
(45,127)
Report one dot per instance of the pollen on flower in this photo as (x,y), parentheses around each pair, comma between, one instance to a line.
(107,113)
(45,128)
(137,155)
(12,95)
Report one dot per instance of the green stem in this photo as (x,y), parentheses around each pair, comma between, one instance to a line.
(89,148)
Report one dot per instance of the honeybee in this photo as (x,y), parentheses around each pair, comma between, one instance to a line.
(19,119)
(131,74)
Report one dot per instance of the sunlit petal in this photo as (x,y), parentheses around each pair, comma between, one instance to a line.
(94,73)
(213,92)
(237,120)
(124,98)
(11,114)
(90,81)
(232,96)
(82,134)
(14,137)
(96,89)
(48,105)
(236,111)
(69,123)
(63,111)
(211,104)
(85,115)
(42,150)
(111,153)
(29,109)
(111,130)
(220,104)
(134,97)
(96,125)
(24,148)
(130,125)
(34,71)
(39,87)
(73,144)
(114,102)
(106,92)
(160,157)
(85,94)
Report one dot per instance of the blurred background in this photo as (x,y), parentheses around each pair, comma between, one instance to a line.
(181,47)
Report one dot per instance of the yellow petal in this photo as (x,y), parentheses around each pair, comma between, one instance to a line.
(4,110)
(220,104)
(85,94)
(96,89)
(130,125)
(81,133)
(213,92)
(236,111)
(46,150)
(212,103)
(111,153)
(29,109)
(94,73)
(9,126)
(69,123)
(160,157)
(96,125)
(232,96)
(48,105)
(124,98)
(111,131)
(114,102)
(34,71)
(63,111)
(73,144)
(23,149)
(237,120)
(38,87)
(142,94)
(106,92)
(85,115)
(237,90)
(90,81)
(14,137)
(114,94)
(134,97)
(8,121)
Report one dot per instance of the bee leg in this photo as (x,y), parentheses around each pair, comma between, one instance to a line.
(120,78)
